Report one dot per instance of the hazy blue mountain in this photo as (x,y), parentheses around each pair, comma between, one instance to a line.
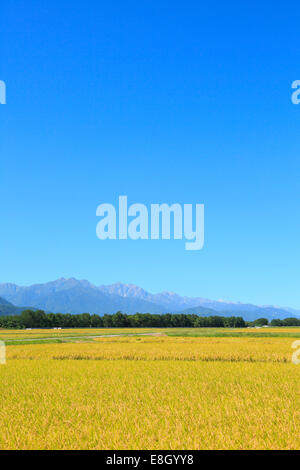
(74,296)
(293,311)
(248,312)
(4,301)
(167,300)
(172,302)
(6,308)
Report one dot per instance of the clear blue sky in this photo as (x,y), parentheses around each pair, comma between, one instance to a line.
(163,102)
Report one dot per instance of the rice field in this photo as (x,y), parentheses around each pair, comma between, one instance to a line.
(149,392)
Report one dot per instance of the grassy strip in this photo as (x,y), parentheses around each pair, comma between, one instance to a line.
(66,335)
(68,339)
(229,334)
(38,341)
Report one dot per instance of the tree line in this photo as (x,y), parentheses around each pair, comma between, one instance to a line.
(40,319)
(286,322)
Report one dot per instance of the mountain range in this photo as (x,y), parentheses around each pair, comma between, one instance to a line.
(80,296)
(6,308)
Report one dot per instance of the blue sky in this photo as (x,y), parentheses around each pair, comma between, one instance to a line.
(162,102)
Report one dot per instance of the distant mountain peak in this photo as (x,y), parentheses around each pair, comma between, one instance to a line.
(70,295)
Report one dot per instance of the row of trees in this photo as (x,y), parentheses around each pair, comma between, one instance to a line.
(40,319)
(286,322)
(276,322)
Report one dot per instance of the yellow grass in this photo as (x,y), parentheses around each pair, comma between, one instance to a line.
(162,348)
(52,333)
(151,393)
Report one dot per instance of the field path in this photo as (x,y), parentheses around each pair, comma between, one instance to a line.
(87,337)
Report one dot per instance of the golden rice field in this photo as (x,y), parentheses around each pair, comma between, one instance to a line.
(78,332)
(150,392)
